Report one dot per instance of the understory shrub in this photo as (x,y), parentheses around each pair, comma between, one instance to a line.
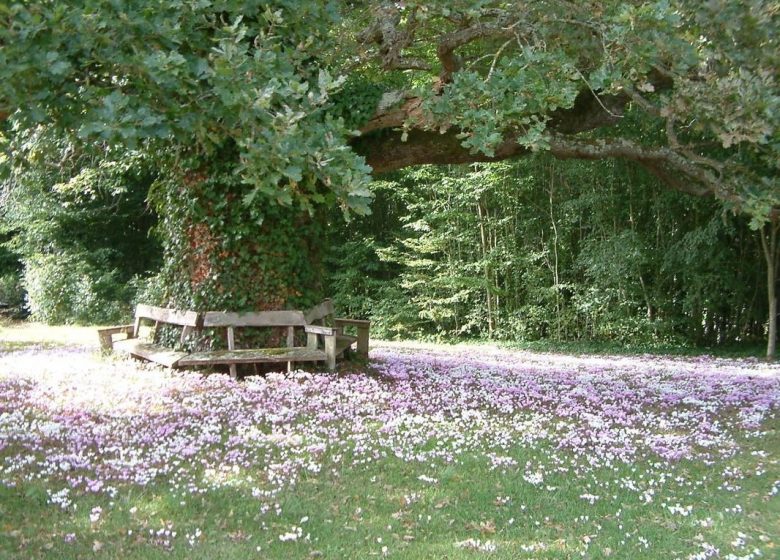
(11,295)
(68,288)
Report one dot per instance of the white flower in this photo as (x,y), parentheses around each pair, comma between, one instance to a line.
(95,515)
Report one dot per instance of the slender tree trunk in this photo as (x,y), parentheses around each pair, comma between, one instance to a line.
(648,305)
(484,244)
(769,245)
(556,277)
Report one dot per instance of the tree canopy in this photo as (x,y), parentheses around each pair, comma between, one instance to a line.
(292,82)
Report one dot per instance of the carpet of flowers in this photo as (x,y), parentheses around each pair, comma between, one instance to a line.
(83,428)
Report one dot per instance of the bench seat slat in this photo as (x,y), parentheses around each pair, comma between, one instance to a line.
(344,341)
(252,355)
(152,352)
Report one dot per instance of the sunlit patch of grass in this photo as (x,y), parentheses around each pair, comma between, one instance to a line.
(19,335)
(357,513)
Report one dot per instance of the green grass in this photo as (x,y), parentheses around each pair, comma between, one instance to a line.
(417,510)
(354,513)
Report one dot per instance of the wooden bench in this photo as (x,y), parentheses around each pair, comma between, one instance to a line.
(264,319)
(325,313)
(323,343)
(148,349)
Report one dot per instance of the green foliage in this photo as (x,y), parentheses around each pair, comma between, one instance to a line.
(547,250)
(12,293)
(80,227)
(356,101)
(222,254)
(9,260)
(187,78)
(67,288)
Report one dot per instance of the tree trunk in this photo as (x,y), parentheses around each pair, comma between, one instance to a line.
(771,345)
(769,245)
(555,268)
(486,268)
(223,254)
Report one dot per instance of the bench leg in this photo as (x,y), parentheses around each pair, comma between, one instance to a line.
(362,342)
(233,371)
(106,341)
(330,352)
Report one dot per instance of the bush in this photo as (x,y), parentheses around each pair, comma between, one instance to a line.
(68,288)
(12,295)
(150,289)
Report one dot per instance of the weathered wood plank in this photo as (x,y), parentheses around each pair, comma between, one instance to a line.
(362,341)
(352,322)
(152,352)
(106,335)
(319,312)
(252,355)
(343,342)
(362,328)
(166,315)
(256,319)
(231,340)
(330,352)
(316,329)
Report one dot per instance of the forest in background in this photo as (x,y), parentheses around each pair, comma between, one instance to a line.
(543,249)
(535,249)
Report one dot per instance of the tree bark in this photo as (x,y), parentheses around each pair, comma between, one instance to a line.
(383,145)
(769,245)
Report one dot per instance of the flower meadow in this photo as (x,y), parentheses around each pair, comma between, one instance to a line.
(428,452)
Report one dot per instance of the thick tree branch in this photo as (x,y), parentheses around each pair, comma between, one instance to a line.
(392,39)
(394,110)
(449,42)
(675,169)
(381,140)
(397,109)
(385,150)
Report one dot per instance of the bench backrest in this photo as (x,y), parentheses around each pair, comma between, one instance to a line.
(186,319)
(319,312)
(231,321)
(167,315)
(254,319)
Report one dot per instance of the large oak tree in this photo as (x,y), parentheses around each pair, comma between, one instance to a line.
(296,103)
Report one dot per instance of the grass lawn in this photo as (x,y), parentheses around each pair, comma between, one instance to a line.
(433,452)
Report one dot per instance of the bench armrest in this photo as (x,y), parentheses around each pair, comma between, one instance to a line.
(106,335)
(329,334)
(316,329)
(362,333)
(352,322)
